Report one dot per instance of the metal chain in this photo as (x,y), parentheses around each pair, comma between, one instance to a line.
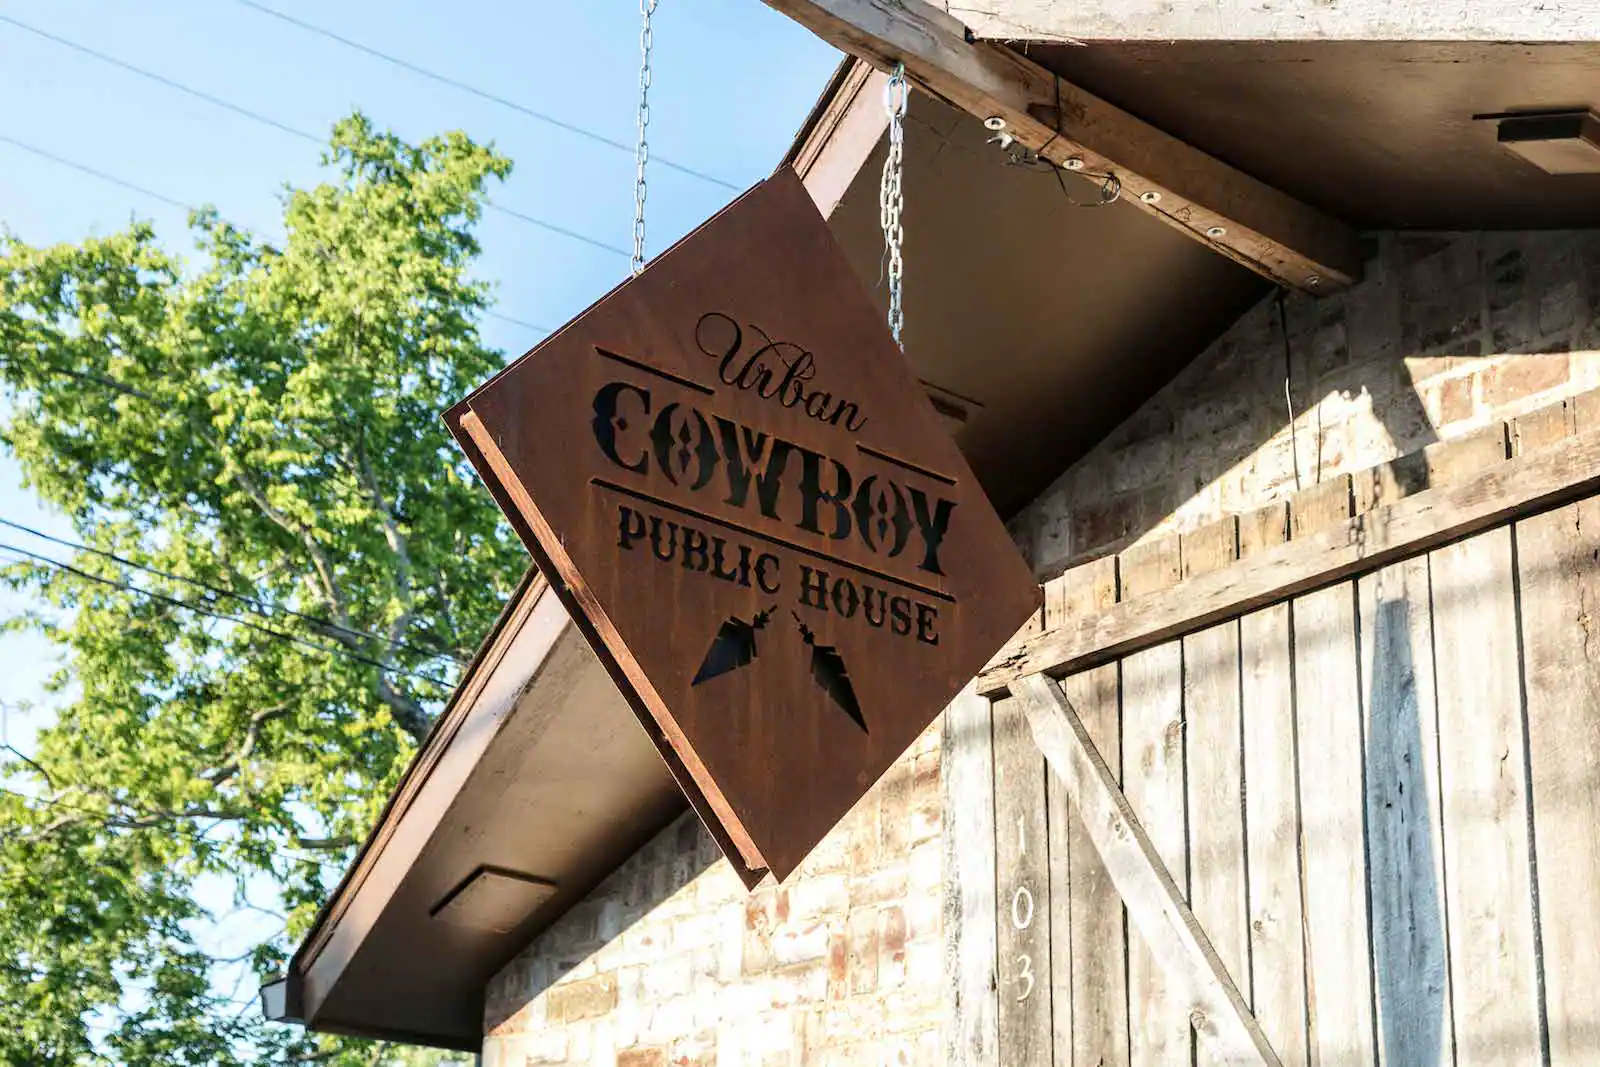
(640,189)
(891,200)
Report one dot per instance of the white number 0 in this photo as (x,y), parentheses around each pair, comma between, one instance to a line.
(1022,908)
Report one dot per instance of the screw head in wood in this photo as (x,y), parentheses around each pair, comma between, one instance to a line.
(1072,163)
(1151,197)
(1216,231)
(994,122)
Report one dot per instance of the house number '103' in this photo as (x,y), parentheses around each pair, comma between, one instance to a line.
(1022,918)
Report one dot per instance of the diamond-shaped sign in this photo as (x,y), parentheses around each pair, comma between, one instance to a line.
(752,510)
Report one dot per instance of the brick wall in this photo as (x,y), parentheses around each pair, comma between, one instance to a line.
(670,963)
(1447,333)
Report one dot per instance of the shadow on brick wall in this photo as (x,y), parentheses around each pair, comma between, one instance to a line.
(609,919)
(1412,354)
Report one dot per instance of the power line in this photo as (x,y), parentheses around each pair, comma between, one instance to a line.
(112,179)
(259,607)
(267,120)
(187,606)
(198,94)
(518,322)
(482,94)
(93,173)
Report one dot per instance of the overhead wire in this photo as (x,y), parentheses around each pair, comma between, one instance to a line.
(84,168)
(258,607)
(112,179)
(482,94)
(185,605)
(268,120)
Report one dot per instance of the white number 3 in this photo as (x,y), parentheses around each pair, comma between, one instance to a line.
(1026,976)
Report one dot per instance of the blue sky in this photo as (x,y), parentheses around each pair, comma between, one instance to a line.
(733,80)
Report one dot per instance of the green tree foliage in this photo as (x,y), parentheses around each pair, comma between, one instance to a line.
(265,421)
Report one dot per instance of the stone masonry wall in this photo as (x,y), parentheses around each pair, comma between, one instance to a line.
(670,963)
(1446,333)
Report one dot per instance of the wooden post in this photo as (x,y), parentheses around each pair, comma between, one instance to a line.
(1218,1013)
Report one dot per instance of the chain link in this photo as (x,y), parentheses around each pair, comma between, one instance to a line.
(640,189)
(891,200)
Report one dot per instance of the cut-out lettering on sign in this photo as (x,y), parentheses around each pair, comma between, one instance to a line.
(753,513)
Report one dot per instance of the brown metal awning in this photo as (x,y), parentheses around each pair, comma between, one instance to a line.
(536,782)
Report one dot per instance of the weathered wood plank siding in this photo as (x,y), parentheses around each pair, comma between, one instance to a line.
(1488,891)
(1380,799)
(1405,846)
(1022,856)
(1560,595)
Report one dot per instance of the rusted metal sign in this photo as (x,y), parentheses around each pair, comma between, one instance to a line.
(751,509)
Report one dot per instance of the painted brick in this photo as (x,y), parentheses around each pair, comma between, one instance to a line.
(584,999)
(862,939)
(1441,279)
(1524,376)
(699,973)
(1455,399)
(642,1057)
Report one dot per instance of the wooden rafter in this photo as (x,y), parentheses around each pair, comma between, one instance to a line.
(841,133)
(1244,219)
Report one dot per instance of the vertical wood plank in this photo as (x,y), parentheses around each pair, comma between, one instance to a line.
(1152,779)
(967,762)
(1214,771)
(1023,884)
(1215,777)
(1272,822)
(1151,566)
(1320,506)
(1560,598)
(1488,886)
(1263,528)
(1088,947)
(1098,922)
(1210,548)
(1152,745)
(1202,992)
(1328,720)
(1404,840)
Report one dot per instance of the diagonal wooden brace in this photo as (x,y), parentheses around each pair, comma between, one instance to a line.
(1219,1014)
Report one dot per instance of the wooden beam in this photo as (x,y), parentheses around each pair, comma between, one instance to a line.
(1530,483)
(1284,20)
(1242,218)
(841,134)
(1156,907)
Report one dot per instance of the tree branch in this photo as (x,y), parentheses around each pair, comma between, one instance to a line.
(225,771)
(398,545)
(407,712)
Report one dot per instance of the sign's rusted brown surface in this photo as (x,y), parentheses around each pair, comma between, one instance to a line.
(752,510)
